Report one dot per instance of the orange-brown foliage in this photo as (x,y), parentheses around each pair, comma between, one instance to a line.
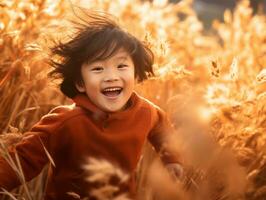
(212,85)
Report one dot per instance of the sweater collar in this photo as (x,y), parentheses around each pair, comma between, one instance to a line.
(83,101)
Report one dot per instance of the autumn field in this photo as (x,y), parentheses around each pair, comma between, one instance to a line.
(211,83)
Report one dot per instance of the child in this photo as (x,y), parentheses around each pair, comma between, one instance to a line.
(99,67)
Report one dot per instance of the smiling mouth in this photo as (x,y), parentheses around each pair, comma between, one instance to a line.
(112,91)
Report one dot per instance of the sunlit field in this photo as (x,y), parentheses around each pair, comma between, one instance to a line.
(211,83)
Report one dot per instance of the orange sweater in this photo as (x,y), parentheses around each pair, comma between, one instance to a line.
(72,133)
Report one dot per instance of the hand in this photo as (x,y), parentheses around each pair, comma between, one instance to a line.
(176,171)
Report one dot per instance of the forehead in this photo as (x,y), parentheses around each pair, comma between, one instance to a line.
(120,54)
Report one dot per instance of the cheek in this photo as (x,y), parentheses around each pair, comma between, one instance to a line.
(133,75)
(91,84)
(131,79)
(132,83)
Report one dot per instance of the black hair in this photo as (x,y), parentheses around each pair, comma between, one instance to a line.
(97,38)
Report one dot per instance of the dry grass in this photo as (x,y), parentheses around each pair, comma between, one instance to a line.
(213,86)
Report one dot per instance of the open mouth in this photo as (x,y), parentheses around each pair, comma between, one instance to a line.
(112,91)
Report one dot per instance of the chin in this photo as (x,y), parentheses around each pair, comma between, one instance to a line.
(114,110)
(117,109)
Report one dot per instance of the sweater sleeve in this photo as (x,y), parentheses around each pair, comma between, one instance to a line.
(161,137)
(31,155)
(30,152)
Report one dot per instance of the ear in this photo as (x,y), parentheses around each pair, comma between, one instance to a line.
(80,87)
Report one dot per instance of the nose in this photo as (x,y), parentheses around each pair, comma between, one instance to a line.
(111,75)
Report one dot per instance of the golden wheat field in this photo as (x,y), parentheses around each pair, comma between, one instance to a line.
(212,85)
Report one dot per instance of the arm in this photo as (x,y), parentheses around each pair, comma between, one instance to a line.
(163,140)
(31,156)
(30,151)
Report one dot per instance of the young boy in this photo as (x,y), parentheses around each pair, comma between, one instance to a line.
(99,67)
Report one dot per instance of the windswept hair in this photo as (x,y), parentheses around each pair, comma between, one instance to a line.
(97,38)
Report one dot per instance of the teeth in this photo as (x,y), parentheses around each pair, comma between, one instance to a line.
(111,89)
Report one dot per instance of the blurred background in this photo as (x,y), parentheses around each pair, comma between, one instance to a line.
(210,66)
(208,10)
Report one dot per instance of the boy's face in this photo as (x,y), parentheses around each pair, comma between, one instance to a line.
(109,83)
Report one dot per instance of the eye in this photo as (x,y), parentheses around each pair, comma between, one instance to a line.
(122,66)
(97,69)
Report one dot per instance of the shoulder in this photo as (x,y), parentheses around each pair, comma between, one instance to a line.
(63,113)
(146,104)
(58,116)
(157,114)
